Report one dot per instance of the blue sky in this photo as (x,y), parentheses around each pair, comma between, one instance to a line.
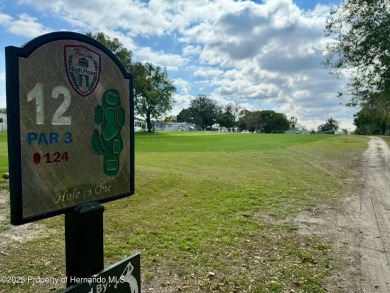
(257,54)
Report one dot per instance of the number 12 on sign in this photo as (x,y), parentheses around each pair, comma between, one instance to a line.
(58,117)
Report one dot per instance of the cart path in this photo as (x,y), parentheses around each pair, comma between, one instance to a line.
(374,219)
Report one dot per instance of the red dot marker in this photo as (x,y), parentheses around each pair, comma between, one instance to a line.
(36,158)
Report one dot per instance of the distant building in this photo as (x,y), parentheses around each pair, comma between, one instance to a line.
(296,129)
(3,122)
(178,126)
(141,125)
(333,131)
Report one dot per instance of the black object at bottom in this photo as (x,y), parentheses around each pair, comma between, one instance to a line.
(122,277)
(84,241)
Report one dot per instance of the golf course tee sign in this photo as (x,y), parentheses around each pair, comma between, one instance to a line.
(70,117)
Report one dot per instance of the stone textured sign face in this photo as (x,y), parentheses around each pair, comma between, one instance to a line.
(70,125)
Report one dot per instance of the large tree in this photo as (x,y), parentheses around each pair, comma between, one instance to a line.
(330,126)
(254,121)
(124,55)
(366,122)
(266,121)
(361,30)
(184,116)
(277,122)
(374,116)
(227,116)
(153,92)
(203,112)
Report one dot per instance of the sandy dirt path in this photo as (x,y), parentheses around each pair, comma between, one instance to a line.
(359,226)
(374,219)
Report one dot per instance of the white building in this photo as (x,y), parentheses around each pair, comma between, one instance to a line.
(141,125)
(3,122)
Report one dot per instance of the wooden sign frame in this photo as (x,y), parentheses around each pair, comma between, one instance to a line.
(70,125)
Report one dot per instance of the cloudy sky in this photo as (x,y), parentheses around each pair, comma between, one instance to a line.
(259,54)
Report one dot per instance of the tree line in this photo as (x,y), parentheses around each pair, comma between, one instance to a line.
(374,116)
(360,30)
(204,113)
(153,98)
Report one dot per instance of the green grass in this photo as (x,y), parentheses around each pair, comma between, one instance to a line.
(217,142)
(386,139)
(4,221)
(214,203)
(3,159)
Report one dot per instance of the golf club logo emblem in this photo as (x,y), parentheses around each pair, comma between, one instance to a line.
(82,68)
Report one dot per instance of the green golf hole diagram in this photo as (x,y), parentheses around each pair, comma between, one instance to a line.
(108,141)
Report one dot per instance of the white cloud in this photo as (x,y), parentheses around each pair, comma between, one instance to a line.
(2,101)
(183,87)
(192,50)
(208,72)
(272,54)
(182,101)
(25,25)
(264,54)
(169,61)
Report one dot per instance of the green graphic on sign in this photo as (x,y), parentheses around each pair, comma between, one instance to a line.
(109,143)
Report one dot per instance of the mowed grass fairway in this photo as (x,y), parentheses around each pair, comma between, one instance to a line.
(212,213)
(3,158)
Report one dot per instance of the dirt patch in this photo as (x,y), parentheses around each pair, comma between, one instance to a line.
(374,219)
(14,234)
(4,205)
(359,228)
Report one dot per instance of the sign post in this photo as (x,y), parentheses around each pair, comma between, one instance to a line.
(70,138)
(84,241)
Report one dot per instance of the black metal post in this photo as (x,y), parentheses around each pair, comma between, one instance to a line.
(84,241)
